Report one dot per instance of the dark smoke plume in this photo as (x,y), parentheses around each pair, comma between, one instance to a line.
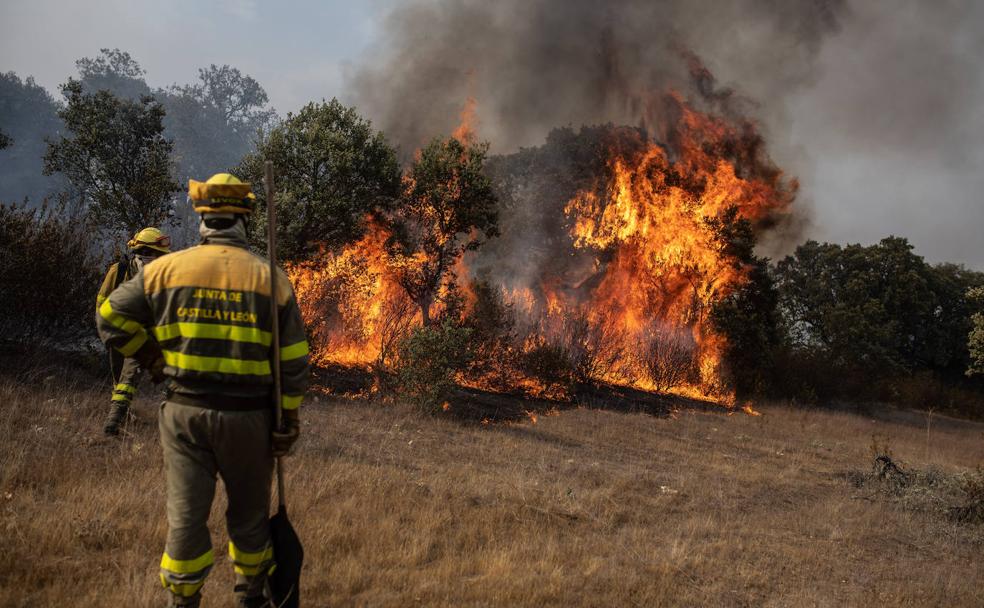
(539,70)
(533,65)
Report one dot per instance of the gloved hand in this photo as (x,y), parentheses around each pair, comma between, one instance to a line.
(151,359)
(156,370)
(283,441)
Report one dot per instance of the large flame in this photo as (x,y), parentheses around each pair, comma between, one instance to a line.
(651,223)
(350,301)
(648,262)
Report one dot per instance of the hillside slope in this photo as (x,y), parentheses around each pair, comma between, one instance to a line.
(582,508)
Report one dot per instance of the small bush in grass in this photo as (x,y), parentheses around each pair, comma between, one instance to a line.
(957,496)
(428,360)
(971,484)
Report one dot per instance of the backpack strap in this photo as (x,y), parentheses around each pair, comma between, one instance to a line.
(121,269)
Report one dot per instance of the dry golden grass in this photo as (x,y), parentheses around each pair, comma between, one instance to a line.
(585,508)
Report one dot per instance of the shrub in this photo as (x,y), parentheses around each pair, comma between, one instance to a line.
(395,324)
(668,357)
(596,350)
(975,340)
(958,496)
(428,360)
(550,364)
(335,292)
(971,484)
(493,337)
(50,271)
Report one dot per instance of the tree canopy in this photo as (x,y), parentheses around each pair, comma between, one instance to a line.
(447,207)
(115,71)
(28,114)
(238,98)
(975,339)
(332,169)
(879,308)
(215,121)
(116,157)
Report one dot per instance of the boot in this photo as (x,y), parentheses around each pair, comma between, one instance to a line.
(253,602)
(177,601)
(117,414)
(251,592)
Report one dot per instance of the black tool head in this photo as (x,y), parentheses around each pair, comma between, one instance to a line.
(289,554)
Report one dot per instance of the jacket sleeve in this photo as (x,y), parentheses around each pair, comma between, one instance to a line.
(107,286)
(121,320)
(294,367)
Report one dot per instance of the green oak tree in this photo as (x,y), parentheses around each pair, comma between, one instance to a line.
(115,155)
(28,114)
(975,338)
(879,308)
(332,170)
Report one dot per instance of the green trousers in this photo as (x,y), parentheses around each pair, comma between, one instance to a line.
(126,377)
(199,444)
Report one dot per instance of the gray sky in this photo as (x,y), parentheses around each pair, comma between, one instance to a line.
(887,137)
(297,49)
(892,132)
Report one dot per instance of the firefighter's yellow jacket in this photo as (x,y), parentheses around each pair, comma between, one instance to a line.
(112,280)
(207,310)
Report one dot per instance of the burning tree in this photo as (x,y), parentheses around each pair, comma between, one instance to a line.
(447,207)
(356,300)
(606,234)
(625,228)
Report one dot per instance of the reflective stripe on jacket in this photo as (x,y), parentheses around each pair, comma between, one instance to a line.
(209,309)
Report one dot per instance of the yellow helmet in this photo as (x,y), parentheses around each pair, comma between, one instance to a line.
(151,238)
(221,193)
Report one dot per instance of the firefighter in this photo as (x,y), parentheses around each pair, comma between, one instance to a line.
(200,318)
(145,246)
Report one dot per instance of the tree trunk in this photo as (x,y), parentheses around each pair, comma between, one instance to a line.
(425,303)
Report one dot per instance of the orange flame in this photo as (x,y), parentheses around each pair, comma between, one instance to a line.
(350,301)
(659,264)
(650,226)
(748,409)
(465,131)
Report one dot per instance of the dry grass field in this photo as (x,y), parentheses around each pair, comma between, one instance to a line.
(583,508)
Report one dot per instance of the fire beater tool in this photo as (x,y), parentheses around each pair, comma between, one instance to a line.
(287,550)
